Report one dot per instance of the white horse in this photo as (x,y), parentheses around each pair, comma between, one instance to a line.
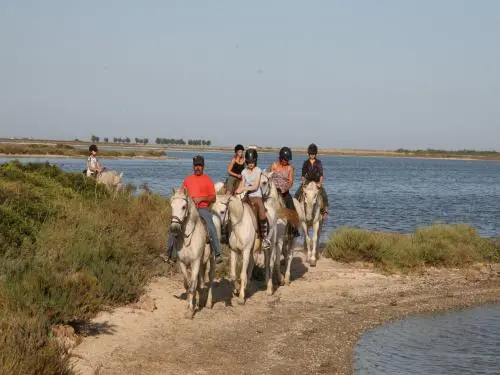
(190,234)
(312,202)
(284,241)
(111,179)
(243,238)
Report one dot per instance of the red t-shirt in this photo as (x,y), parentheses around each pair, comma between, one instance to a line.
(199,186)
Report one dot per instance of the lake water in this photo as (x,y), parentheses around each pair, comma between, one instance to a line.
(391,194)
(464,342)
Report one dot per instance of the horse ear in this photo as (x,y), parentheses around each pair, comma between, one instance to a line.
(185,190)
(173,191)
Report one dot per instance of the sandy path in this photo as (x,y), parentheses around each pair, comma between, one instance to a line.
(309,327)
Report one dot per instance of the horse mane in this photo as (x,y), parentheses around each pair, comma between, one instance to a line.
(236,207)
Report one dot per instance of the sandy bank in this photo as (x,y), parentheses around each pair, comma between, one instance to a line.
(309,327)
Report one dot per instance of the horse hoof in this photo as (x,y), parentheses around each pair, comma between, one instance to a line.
(241,301)
(189,314)
(312,263)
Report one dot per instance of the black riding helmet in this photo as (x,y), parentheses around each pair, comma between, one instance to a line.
(93,148)
(198,160)
(251,156)
(312,149)
(238,147)
(285,153)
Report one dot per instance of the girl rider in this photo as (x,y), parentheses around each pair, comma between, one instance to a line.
(312,170)
(282,177)
(250,183)
(234,169)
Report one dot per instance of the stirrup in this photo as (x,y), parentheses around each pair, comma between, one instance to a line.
(266,244)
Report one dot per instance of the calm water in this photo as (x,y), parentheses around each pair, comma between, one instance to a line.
(393,194)
(465,342)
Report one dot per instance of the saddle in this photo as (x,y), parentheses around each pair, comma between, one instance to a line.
(255,211)
(207,238)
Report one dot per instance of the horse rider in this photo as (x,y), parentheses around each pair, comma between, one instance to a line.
(312,171)
(200,188)
(234,169)
(250,184)
(282,177)
(94,167)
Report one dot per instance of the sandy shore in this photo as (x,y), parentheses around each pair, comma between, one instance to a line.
(309,327)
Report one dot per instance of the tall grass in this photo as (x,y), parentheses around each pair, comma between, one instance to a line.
(67,250)
(438,245)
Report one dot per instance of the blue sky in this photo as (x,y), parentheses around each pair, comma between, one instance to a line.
(354,74)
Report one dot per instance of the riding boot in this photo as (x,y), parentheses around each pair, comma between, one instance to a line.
(264,231)
(223,234)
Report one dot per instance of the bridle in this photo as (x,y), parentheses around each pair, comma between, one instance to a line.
(226,211)
(182,222)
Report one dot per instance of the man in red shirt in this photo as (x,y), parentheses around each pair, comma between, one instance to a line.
(200,188)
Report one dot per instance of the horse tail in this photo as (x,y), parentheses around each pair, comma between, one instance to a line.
(289,215)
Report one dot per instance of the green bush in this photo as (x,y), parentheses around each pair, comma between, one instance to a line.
(68,249)
(438,245)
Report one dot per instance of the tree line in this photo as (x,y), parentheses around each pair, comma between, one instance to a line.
(158,141)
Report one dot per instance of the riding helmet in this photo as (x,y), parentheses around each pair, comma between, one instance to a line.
(312,149)
(285,153)
(251,156)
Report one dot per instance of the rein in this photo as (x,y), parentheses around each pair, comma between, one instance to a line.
(182,222)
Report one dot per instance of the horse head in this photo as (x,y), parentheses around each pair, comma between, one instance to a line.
(180,203)
(310,194)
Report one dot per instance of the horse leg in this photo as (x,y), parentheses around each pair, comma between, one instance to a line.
(271,254)
(184,271)
(312,260)
(307,241)
(244,274)
(201,282)
(211,277)
(232,272)
(289,257)
(193,286)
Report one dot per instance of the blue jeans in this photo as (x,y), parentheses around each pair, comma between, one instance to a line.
(206,215)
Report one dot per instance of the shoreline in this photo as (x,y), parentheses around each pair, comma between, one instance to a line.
(311,326)
(452,155)
(325,153)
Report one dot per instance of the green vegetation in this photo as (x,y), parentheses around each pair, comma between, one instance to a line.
(438,245)
(67,150)
(67,250)
(473,154)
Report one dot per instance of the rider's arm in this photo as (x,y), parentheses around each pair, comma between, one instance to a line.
(241,186)
(290,177)
(320,169)
(253,187)
(230,167)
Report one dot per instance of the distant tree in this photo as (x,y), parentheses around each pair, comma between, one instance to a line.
(137,140)
(94,138)
(106,140)
(145,141)
(127,140)
(209,142)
